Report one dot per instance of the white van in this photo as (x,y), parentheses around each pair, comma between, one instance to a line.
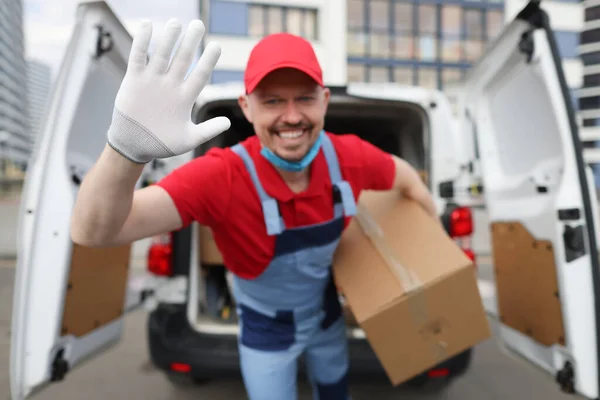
(516,135)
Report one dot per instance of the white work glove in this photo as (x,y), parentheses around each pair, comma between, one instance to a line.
(152,113)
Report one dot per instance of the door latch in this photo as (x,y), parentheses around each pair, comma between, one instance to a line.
(574,242)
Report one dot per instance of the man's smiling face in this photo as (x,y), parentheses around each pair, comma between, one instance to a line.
(287,110)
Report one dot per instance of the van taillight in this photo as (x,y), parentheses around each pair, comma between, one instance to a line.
(460,228)
(160,255)
(461,222)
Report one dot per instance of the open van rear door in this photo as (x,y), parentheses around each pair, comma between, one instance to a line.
(69,300)
(541,202)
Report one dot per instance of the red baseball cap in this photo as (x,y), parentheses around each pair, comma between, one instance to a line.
(281,50)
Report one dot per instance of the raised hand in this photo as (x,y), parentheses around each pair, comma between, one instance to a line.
(152,113)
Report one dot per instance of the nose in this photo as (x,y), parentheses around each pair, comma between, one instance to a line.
(291,114)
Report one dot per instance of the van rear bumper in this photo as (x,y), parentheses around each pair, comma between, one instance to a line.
(172,340)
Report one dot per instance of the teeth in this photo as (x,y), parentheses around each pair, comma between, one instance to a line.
(290,135)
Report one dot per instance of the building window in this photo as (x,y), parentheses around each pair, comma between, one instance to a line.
(380,45)
(356,14)
(591,36)
(294,21)
(591,80)
(589,103)
(474,24)
(427,19)
(427,48)
(267,19)
(379,74)
(404,47)
(403,75)
(379,15)
(591,58)
(451,75)
(451,21)
(426,43)
(428,77)
(495,23)
(228,18)
(274,20)
(403,18)
(357,44)
(592,13)
(591,122)
(357,73)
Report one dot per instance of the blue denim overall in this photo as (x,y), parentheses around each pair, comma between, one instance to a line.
(293,309)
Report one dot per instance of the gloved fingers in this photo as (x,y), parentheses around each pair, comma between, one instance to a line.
(203,132)
(159,61)
(139,47)
(187,49)
(199,76)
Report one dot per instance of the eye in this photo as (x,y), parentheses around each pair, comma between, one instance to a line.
(306,98)
(272,102)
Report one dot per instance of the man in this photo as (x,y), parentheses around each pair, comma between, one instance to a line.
(277,202)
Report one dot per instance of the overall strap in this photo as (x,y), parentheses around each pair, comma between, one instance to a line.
(348,202)
(273,220)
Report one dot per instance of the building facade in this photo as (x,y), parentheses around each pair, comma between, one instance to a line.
(427,43)
(589,96)
(238,25)
(14,140)
(39,79)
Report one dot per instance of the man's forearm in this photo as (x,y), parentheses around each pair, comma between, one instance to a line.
(409,182)
(104,199)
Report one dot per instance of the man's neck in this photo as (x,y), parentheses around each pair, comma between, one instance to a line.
(297,181)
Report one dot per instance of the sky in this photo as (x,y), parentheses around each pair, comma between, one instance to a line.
(48,23)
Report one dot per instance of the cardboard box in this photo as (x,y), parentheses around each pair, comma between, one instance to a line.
(209,252)
(410,287)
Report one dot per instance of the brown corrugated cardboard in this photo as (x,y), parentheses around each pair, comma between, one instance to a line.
(410,287)
(209,252)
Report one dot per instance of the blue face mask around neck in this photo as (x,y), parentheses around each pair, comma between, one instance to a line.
(293,166)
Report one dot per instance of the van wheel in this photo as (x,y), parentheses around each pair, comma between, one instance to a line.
(429,385)
(184,380)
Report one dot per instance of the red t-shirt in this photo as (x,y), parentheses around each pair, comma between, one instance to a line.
(216,190)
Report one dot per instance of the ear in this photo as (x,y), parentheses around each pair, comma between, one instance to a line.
(244,103)
(326,97)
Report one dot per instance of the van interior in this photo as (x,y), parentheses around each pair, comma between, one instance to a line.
(397,128)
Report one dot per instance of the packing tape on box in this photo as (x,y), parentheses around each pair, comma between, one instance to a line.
(408,279)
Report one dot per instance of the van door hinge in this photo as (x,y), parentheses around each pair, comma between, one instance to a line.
(574,243)
(60,367)
(566,378)
(527,45)
(104,42)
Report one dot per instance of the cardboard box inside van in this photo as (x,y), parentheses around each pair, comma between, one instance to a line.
(410,287)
